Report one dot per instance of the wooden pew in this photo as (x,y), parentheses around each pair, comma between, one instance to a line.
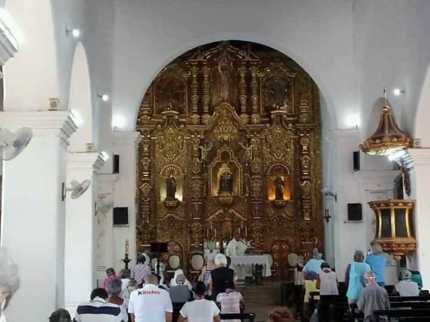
(408,313)
(238,316)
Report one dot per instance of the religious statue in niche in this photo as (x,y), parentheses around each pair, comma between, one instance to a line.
(279,188)
(170,188)
(225,66)
(225,180)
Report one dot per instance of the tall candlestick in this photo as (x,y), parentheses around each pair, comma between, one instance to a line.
(126,246)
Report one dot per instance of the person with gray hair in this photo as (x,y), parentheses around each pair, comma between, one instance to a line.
(377,262)
(314,264)
(354,276)
(114,288)
(221,277)
(9,281)
(124,274)
(373,297)
(406,287)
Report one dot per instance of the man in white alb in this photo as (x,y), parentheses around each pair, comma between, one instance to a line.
(237,247)
(150,303)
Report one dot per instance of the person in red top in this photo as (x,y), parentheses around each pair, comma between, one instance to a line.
(110,272)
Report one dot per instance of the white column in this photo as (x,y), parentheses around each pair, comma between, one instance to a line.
(421,176)
(33,212)
(80,256)
(125,194)
(346,236)
(105,245)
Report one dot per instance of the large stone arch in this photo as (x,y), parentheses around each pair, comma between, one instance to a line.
(80,100)
(281,47)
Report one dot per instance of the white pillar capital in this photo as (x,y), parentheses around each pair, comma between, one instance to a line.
(107,183)
(127,138)
(85,161)
(43,123)
(372,180)
(420,157)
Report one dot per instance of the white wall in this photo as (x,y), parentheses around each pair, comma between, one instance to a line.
(125,196)
(149,34)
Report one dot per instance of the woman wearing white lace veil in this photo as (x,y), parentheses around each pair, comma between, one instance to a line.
(177,273)
(9,281)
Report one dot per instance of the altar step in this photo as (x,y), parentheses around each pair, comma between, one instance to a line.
(260,299)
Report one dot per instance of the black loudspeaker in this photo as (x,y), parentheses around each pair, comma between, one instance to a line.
(356,160)
(355,212)
(159,248)
(120,216)
(115,163)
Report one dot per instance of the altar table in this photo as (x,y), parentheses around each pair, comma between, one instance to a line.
(251,260)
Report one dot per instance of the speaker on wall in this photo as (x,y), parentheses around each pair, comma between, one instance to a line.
(120,216)
(356,160)
(355,212)
(115,163)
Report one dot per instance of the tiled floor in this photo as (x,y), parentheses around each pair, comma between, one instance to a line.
(260,299)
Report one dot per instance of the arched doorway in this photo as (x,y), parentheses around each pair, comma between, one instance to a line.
(230,146)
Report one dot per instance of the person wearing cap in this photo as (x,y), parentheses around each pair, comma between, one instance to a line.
(406,287)
(354,276)
(372,297)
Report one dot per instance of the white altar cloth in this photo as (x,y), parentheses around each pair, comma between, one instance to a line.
(249,260)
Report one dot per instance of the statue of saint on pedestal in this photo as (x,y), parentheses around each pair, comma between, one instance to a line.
(279,188)
(170,188)
(225,180)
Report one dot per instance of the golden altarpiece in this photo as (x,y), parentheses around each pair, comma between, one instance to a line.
(230,145)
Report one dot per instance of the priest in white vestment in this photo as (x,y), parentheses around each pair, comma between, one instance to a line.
(237,247)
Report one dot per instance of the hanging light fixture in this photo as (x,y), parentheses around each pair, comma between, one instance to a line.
(388,138)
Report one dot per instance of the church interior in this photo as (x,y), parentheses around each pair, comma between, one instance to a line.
(274,132)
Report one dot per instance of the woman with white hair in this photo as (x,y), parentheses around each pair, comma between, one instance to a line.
(377,262)
(9,281)
(221,277)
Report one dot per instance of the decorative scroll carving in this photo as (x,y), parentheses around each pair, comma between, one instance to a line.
(230,144)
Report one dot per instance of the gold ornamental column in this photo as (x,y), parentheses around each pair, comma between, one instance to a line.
(394,226)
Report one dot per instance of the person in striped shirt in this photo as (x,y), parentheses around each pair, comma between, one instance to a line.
(231,301)
(141,271)
(98,309)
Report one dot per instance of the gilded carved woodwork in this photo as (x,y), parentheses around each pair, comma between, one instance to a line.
(230,145)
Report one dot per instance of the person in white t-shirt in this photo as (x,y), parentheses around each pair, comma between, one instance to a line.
(199,310)
(406,287)
(150,303)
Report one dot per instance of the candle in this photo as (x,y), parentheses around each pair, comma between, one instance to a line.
(246,232)
(207,232)
(126,246)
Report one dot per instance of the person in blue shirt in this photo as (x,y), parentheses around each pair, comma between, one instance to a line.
(377,261)
(354,276)
(314,264)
